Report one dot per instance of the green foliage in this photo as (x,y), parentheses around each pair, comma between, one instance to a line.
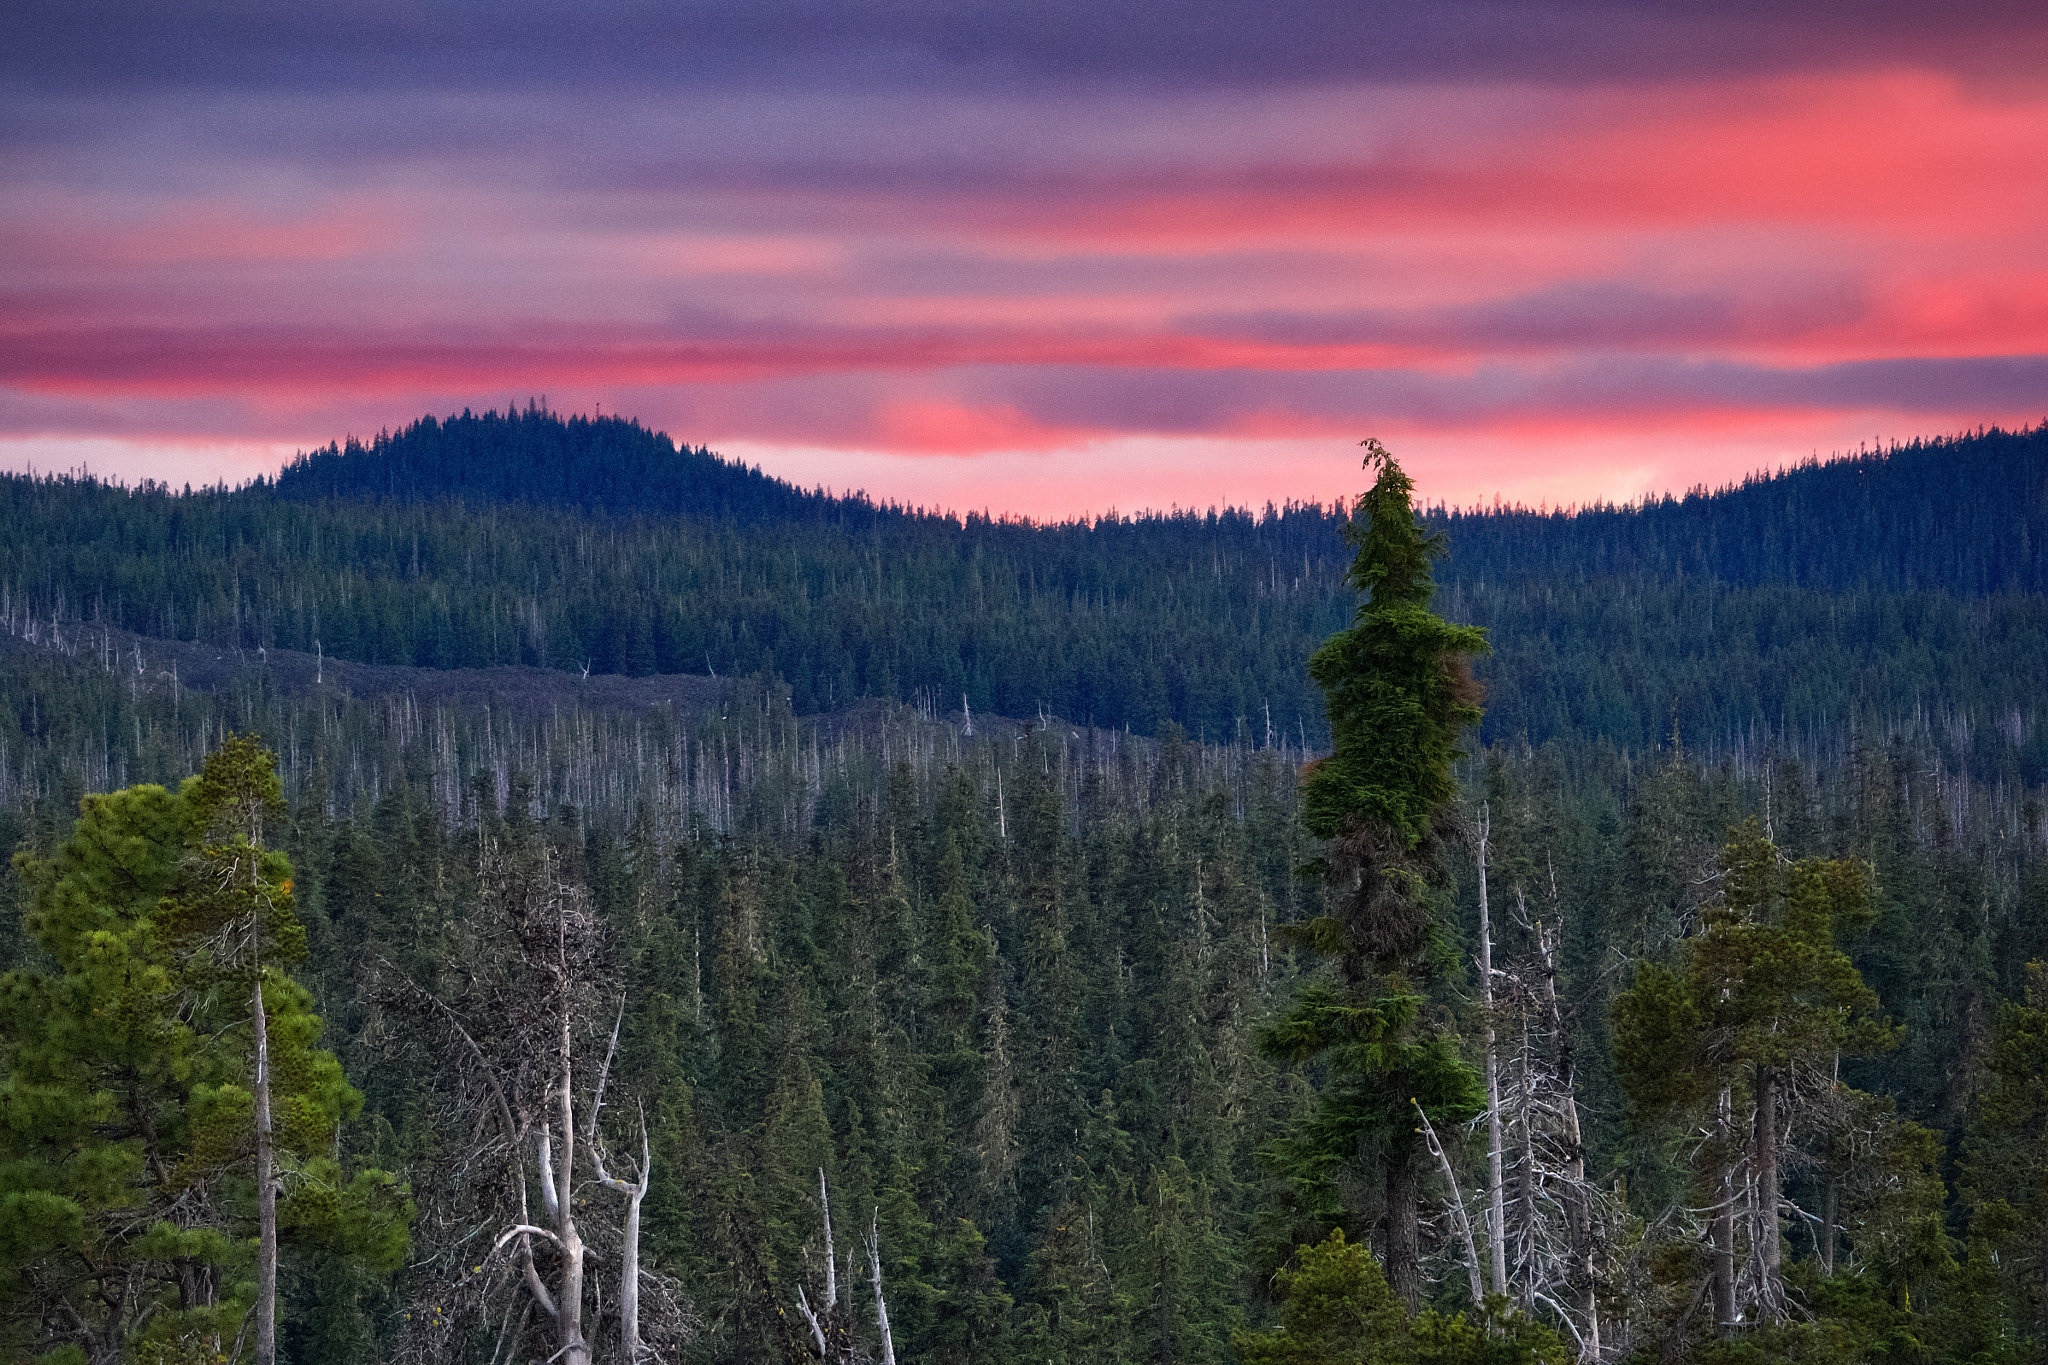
(1762,986)
(1012,989)
(1336,1309)
(2005,1167)
(1395,684)
(478,541)
(1379,1069)
(125,1118)
(1398,698)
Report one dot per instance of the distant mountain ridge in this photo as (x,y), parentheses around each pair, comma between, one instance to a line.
(541,458)
(1826,597)
(1965,514)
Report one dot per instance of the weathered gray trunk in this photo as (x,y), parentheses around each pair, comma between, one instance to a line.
(558,1194)
(1767,1232)
(1496,1210)
(1723,1226)
(574,1350)
(1526,1183)
(266,1191)
(1577,1206)
(1459,1219)
(636,1193)
(1830,1212)
(875,1277)
(629,1283)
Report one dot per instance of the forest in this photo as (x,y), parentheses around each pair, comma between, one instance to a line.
(1139,940)
(1801,599)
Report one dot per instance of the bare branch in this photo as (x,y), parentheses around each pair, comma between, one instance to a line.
(523,1229)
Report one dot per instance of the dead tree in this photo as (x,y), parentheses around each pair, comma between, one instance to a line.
(494,1267)
(831,1319)
(635,1192)
(1460,1222)
(1496,1211)
(875,1278)
(1553,1220)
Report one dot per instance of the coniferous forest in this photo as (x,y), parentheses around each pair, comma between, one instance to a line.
(515,890)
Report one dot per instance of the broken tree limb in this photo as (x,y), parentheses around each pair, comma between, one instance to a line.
(1458,1215)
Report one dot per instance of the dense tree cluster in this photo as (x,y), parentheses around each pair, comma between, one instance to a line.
(161,1085)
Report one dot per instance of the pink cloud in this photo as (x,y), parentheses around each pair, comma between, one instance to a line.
(925,427)
(1698,265)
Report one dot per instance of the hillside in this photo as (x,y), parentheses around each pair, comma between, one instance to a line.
(542,459)
(1828,596)
(1965,515)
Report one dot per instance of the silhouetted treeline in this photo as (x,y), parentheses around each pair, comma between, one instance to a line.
(1962,514)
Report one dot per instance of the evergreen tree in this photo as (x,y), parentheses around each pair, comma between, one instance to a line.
(1740,1036)
(128,1108)
(2006,1163)
(1398,694)
(1337,1309)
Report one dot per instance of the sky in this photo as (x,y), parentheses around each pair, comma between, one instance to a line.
(1046,258)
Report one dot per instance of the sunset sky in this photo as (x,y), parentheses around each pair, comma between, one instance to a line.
(1044,258)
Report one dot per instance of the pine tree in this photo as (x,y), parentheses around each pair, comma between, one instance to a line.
(1747,1021)
(132,1094)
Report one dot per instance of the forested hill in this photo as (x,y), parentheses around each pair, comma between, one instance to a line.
(545,459)
(1962,514)
(1028,1000)
(1830,596)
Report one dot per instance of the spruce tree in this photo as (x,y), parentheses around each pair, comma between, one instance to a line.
(1399,694)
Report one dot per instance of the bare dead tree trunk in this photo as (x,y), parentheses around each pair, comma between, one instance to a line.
(1458,1216)
(635,1192)
(1830,1214)
(1766,1232)
(529,1072)
(831,1320)
(1723,1224)
(810,1316)
(875,1274)
(1496,1212)
(266,1192)
(515,1137)
(1526,1184)
(561,1192)
(1578,1208)
(629,1256)
(831,1247)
